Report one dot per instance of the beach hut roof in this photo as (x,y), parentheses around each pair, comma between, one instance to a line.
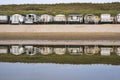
(46,15)
(106,14)
(75,15)
(16,15)
(60,15)
(89,15)
(118,14)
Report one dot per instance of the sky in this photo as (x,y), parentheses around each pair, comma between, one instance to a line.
(5,2)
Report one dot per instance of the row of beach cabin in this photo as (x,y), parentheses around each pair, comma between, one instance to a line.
(60,50)
(59,19)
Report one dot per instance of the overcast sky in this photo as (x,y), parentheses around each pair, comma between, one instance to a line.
(53,1)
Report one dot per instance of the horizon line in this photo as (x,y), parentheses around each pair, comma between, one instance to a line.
(62,3)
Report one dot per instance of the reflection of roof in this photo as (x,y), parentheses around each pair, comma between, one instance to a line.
(105,48)
(3,47)
(61,42)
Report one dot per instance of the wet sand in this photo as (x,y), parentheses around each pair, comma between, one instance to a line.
(59,36)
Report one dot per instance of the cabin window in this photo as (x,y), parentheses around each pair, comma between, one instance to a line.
(43,19)
(16,50)
(77,17)
(77,51)
(72,17)
(30,16)
(90,18)
(118,16)
(17,17)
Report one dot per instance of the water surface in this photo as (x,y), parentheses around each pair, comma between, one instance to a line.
(48,71)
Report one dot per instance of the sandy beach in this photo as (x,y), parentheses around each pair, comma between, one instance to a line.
(60,32)
(61,28)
